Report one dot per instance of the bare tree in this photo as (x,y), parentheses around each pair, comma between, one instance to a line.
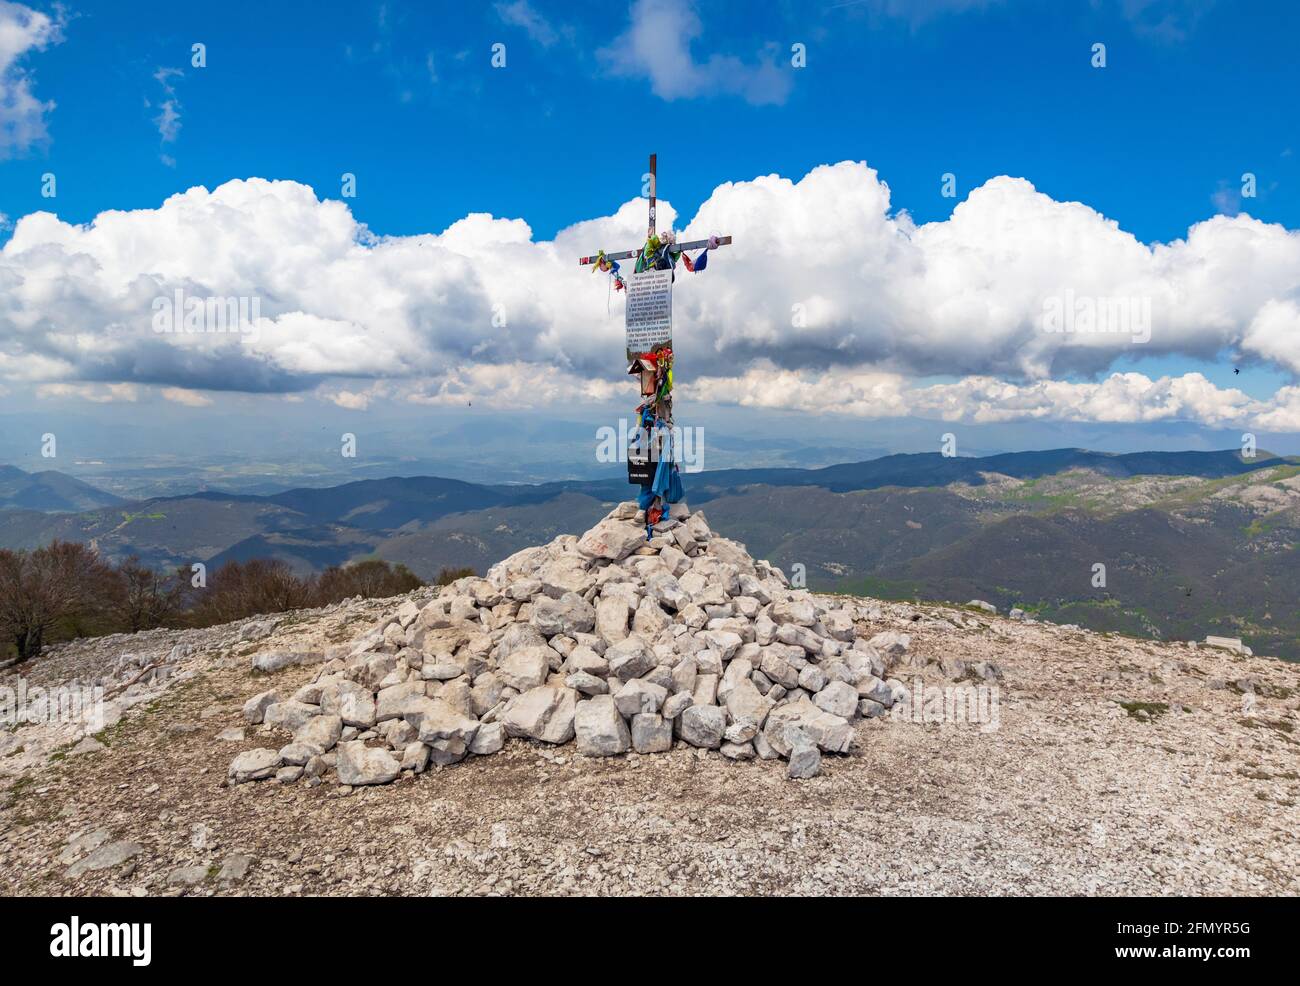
(372,579)
(49,588)
(143,598)
(65,590)
(242,589)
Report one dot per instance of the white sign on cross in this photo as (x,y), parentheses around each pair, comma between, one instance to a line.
(649,315)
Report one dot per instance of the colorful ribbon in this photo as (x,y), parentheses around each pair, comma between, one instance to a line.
(611,268)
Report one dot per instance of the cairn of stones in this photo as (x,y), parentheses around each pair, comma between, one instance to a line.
(610,641)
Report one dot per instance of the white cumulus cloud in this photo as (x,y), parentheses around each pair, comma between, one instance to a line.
(658,45)
(1119,398)
(828,300)
(1274,334)
(22,114)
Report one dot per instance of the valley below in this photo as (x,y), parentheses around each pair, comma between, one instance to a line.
(1172,546)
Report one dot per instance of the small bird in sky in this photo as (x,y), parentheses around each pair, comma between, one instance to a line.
(1236,370)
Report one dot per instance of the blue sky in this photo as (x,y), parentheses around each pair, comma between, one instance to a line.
(310,90)
(405,97)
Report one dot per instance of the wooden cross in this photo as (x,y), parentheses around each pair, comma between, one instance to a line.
(629,254)
(652,376)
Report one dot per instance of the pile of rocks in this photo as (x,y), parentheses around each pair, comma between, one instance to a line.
(619,643)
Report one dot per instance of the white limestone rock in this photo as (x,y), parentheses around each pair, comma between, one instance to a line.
(359,764)
(567,615)
(612,613)
(544,714)
(838,699)
(639,695)
(805,758)
(253,765)
(702,726)
(526,668)
(489,739)
(600,729)
(611,539)
(652,733)
(289,715)
(630,658)
(255,708)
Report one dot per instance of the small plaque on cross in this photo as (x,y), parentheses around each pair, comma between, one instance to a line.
(649,312)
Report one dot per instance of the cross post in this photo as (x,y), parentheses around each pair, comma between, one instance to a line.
(654,367)
(654,167)
(629,254)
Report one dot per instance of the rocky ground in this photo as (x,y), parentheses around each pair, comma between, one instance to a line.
(1107,766)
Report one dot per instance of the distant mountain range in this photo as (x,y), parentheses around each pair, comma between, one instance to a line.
(49,491)
(1191,542)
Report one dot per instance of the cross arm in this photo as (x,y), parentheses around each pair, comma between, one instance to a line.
(629,254)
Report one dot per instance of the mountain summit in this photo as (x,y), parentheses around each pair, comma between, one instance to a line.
(609,715)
